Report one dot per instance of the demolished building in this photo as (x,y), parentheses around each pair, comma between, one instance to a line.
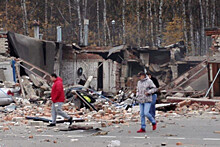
(214,63)
(112,68)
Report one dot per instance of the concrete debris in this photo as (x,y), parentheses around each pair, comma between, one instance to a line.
(100,133)
(77,127)
(74,140)
(114,143)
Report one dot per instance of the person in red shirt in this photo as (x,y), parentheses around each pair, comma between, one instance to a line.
(58,98)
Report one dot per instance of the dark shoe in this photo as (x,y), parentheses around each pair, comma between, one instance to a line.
(70,120)
(154,127)
(141,131)
(51,125)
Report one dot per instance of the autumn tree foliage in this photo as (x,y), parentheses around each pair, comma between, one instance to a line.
(154,23)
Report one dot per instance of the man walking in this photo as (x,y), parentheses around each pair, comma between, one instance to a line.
(58,98)
(145,89)
(154,95)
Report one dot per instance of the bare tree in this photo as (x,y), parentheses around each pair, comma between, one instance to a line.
(203,41)
(207,13)
(51,11)
(147,22)
(79,23)
(160,24)
(155,24)
(46,20)
(104,23)
(84,9)
(138,23)
(151,23)
(207,22)
(70,11)
(109,34)
(184,24)
(191,28)
(25,20)
(197,41)
(123,22)
(98,26)
(6,14)
(213,12)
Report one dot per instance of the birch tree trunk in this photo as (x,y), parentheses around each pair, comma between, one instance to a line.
(79,23)
(138,24)
(85,9)
(109,34)
(207,13)
(207,23)
(70,11)
(98,26)
(6,14)
(123,23)
(51,12)
(51,18)
(198,42)
(213,12)
(46,20)
(203,42)
(156,24)
(160,24)
(25,20)
(191,28)
(84,16)
(147,23)
(151,24)
(184,25)
(104,23)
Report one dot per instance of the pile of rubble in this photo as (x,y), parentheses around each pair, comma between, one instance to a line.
(35,88)
(120,109)
(187,107)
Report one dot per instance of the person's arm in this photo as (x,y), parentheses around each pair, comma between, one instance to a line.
(137,89)
(156,83)
(152,86)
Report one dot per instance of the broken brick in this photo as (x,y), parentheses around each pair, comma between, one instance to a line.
(179,143)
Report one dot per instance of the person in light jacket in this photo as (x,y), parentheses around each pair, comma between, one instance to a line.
(145,89)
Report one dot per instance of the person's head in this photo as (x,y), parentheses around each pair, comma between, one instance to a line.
(141,75)
(149,75)
(53,77)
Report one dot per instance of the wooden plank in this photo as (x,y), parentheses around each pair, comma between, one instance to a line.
(33,66)
(20,82)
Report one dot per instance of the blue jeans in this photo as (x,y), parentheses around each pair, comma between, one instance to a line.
(153,103)
(144,112)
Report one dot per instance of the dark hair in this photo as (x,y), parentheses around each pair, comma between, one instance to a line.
(54,75)
(141,73)
(149,74)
